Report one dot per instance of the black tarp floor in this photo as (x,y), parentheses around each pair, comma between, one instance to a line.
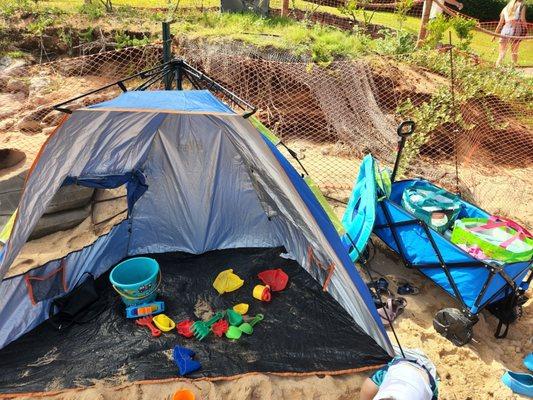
(304,330)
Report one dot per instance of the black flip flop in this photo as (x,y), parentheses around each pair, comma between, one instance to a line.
(407,288)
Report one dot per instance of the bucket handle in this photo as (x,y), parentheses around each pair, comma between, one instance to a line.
(145,295)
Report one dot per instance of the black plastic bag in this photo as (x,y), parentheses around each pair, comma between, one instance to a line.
(79,306)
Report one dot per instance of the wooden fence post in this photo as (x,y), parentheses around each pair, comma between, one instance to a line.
(285,8)
(423,25)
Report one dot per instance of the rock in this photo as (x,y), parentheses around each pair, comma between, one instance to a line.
(38,84)
(53,118)
(39,113)
(29,125)
(39,100)
(6,124)
(17,86)
(8,65)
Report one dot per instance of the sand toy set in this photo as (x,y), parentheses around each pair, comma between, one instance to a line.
(136,279)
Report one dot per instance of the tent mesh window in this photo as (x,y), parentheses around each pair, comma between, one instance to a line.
(44,285)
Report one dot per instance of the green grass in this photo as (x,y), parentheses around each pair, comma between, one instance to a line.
(284,34)
(321,43)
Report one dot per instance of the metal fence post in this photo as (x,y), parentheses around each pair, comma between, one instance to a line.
(167,53)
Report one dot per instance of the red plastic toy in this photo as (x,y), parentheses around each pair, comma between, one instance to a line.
(220,327)
(277,279)
(185,328)
(147,321)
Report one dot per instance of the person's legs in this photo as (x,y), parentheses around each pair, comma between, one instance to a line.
(514,51)
(368,390)
(504,43)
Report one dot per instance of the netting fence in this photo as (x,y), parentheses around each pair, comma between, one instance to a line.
(330,116)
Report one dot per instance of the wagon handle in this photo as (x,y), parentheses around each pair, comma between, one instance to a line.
(404,130)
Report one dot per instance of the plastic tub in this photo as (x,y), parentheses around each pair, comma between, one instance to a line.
(136,280)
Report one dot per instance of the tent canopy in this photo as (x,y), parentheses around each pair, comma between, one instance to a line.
(199,178)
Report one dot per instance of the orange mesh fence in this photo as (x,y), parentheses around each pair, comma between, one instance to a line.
(330,116)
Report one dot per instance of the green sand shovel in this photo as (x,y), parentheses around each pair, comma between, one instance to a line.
(234,318)
(201,329)
(248,327)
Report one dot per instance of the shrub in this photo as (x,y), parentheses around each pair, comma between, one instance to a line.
(436,29)
(93,11)
(394,43)
(464,28)
(9,8)
(358,8)
(122,40)
(15,54)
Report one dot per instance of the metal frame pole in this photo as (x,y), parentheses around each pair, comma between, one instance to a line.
(167,53)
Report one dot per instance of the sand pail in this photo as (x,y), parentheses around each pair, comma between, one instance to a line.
(136,280)
(262,293)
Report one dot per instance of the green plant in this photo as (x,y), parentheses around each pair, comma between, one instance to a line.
(402,9)
(92,10)
(395,42)
(8,8)
(436,28)
(429,116)
(123,40)
(65,35)
(15,54)
(46,18)
(464,28)
(356,8)
(86,36)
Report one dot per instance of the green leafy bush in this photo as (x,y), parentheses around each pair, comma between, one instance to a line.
(46,17)
(123,40)
(394,43)
(15,54)
(8,8)
(436,28)
(356,9)
(93,11)
(464,28)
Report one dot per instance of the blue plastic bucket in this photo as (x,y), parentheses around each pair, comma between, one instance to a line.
(136,280)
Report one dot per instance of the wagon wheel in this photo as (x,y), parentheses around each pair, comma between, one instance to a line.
(454,325)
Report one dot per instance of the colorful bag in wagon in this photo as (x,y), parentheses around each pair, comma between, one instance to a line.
(500,238)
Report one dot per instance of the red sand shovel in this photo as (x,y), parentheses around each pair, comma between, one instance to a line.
(147,321)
